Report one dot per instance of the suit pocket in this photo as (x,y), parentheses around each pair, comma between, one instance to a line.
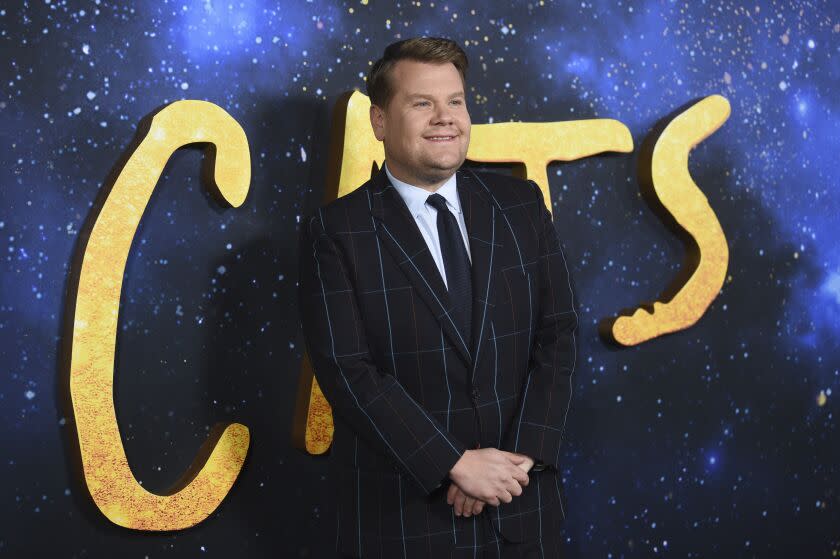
(378,511)
(537,510)
(367,507)
(513,284)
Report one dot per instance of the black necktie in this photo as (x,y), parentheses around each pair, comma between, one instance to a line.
(456,262)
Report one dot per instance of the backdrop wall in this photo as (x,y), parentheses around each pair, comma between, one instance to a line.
(719,440)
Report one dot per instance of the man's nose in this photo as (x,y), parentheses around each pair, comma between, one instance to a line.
(443,114)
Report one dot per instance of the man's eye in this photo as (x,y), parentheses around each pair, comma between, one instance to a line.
(421,103)
(457,101)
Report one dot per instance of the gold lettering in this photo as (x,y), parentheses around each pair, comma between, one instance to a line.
(682,201)
(529,147)
(106,470)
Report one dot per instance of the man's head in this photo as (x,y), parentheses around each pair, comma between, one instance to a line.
(419,109)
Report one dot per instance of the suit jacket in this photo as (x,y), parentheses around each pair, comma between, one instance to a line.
(409,393)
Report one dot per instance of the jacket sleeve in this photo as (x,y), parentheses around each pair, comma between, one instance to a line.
(537,428)
(372,401)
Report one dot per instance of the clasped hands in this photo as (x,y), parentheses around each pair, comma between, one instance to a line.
(486,476)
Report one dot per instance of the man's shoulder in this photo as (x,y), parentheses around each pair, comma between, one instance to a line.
(357,200)
(506,190)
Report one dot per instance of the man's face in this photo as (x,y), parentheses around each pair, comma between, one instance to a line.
(426,126)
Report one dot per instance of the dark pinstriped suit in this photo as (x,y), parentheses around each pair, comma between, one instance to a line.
(409,394)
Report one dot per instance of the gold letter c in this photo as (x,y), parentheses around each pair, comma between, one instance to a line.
(107,474)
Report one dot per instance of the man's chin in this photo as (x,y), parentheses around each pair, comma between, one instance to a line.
(444,166)
(439,172)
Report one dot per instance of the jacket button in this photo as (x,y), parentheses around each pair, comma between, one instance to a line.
(475,393)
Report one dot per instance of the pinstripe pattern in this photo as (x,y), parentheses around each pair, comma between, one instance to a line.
(410,395)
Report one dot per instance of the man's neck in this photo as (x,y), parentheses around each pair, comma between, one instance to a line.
(416,181)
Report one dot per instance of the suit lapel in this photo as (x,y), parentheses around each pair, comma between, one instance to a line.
(400,235)
(482,217)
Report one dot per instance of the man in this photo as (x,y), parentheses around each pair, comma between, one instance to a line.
(439,318)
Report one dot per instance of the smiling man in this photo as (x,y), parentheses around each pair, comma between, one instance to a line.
(439,319)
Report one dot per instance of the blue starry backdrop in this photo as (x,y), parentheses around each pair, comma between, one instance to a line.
(717,441)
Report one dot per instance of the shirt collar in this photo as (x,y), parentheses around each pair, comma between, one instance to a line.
(415,197)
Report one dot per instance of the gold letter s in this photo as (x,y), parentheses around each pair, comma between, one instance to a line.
(682,201)
(107,473)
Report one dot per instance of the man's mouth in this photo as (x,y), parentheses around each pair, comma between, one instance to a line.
(440,139)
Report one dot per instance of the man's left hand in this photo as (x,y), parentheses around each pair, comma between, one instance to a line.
(466,505)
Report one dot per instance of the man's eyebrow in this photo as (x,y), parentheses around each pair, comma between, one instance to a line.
(427,96)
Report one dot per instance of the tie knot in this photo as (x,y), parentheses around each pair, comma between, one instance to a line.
(437,201)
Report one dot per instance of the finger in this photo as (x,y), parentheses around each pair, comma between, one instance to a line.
(514,457)
(519,475)
(513,488)
(460,497)
(478,506)
(469,502)
(505,497)
(450,494)
(494,501)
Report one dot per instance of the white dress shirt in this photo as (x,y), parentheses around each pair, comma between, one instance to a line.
(426,216)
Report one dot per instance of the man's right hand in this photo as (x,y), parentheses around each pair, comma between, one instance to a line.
(490,474)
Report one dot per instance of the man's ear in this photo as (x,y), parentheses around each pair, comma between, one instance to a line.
(377,122)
